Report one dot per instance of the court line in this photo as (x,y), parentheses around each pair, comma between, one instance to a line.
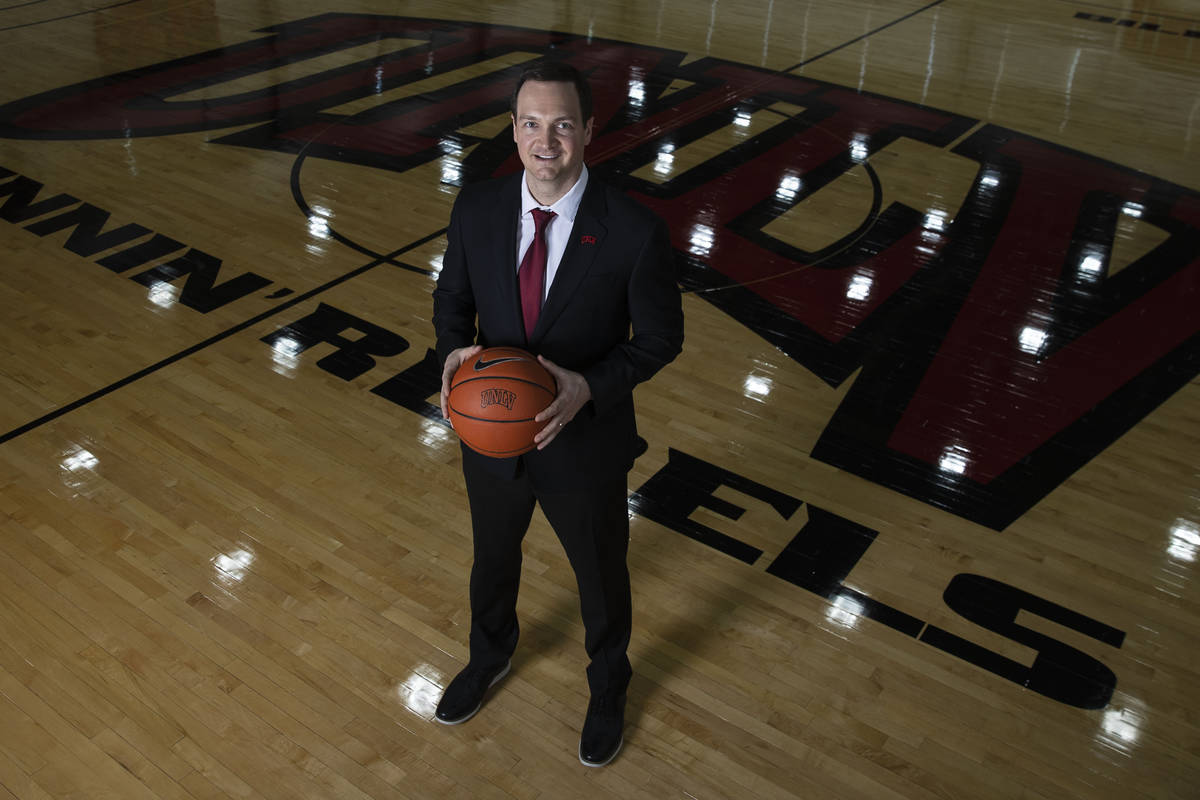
(863,36)
(22,5)
(1129,12)
(309,214)
(241,326)
(67,16)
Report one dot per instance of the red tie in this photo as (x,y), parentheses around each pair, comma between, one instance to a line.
(532,274)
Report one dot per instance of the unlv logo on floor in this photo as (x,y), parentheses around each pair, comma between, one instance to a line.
(1003,340)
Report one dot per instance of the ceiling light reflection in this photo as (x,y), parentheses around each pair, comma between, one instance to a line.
(318,222)
(436,433)
(1033,340)
(1185,541)
(701,239)
(451,171)
(789,187)
(845,611)
(130,159)
(637,93)
(78,459)
(665,163)
(860,287)
(934,225)
(286,355)
(954,460)
(756,387)
(162,294)
(233,567)
(78,468)
(451,165)
(419,694)
(1119,728)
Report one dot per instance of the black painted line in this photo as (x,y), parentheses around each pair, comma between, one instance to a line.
(166,362)
(22,5)
(1128,12)
(850,239)
(864,36)
(67,16)
(309,214)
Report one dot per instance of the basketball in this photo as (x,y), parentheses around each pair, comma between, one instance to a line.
(494,397)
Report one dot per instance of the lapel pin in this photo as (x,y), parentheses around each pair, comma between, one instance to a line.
(586,239)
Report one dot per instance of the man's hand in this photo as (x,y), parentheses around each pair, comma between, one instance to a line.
(573,393)
(453,362)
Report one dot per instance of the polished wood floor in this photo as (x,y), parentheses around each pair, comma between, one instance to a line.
(234,564)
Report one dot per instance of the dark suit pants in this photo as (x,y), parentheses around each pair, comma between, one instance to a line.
(593,527)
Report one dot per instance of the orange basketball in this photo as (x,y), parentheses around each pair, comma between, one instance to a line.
(494,398)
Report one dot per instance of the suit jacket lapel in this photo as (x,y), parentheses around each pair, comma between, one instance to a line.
(504,233)
(587,236)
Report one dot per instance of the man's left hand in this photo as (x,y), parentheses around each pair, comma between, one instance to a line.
(573,393)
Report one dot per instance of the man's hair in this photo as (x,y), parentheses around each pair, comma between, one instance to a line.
(556,72)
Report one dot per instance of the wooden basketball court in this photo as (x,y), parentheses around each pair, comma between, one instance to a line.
(919,513)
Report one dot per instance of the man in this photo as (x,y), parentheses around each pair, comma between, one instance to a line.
(605,267)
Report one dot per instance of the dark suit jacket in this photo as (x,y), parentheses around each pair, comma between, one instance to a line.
(617,272)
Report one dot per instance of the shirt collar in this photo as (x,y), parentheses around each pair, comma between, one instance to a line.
(566,206)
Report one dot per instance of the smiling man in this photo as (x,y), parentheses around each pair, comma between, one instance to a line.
(551,138)
(554,261)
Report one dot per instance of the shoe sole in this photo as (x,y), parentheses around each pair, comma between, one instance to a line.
(475,710)
(606,761)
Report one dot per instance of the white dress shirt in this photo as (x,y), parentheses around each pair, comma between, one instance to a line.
(558,232)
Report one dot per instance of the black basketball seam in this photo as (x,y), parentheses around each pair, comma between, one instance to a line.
(474,378)
(486,419)
(494,453)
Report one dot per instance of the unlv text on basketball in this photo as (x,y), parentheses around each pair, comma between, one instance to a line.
(492,397)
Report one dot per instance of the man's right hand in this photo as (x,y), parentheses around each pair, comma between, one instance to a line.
(453,361)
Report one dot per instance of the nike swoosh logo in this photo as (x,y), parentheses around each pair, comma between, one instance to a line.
(482,365)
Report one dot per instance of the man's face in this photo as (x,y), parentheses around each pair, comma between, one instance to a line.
(550,137)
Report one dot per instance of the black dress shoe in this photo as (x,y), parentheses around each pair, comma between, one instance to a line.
(602,730)
(464,696)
